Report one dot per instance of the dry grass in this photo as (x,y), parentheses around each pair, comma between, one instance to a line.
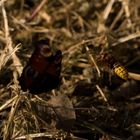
(105,107)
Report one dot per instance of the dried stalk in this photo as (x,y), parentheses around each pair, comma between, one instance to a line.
(9,43)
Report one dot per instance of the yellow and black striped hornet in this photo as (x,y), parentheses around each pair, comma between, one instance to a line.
(113,64)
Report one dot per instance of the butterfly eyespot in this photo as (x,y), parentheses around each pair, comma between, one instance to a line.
(45,51)
(30,72)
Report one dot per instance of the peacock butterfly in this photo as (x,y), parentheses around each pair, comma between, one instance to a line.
(42,72)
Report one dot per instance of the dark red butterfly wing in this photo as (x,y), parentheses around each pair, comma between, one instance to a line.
(42,73)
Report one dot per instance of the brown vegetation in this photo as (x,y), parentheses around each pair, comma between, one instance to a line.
(92,102)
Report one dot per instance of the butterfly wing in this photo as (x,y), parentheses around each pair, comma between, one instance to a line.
(42,73)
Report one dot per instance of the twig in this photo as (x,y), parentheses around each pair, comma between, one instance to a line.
(108,9)
(93,62)
(9,43)
(134,76)
(2,1)
(4,58)
(5,105)
(127,38)
(16,21)
(35,12)
(37,135)
(101,92)
(116,19)
(127,12)
(8,127)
